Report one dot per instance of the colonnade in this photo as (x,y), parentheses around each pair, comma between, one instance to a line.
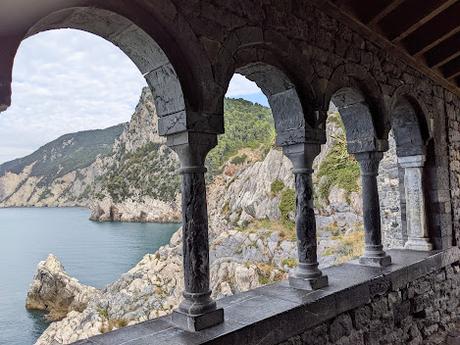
(197,310)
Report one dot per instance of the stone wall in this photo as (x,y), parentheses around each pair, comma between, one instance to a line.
(421,312)
(453,115)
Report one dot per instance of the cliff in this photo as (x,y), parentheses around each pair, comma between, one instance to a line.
(58,174)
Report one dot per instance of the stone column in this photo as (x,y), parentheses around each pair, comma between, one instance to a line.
(306,275)
(417,228)
(374,255)
(197,310)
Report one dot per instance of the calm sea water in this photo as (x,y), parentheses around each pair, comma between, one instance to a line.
(94,253)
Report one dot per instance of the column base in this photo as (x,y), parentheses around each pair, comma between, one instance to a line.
(421,244)
(195,323)
(302,283)
(376,261)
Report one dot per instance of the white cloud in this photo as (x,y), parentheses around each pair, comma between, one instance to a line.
(66,81)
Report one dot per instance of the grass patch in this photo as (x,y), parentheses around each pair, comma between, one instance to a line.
(289,262)
(238,160)
(109,324)
(349,246)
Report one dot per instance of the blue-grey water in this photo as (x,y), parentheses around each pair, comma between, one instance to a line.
(94,253)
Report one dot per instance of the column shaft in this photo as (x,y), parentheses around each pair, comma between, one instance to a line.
(197,310)
(373,252)
(306,275)
(417,227)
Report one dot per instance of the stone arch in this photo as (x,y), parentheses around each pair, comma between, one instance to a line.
(409,127)
(411,136)
(288,111)
(359,100)
(266,58)
(178,95)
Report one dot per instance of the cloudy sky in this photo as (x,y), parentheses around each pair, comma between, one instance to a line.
(66,81)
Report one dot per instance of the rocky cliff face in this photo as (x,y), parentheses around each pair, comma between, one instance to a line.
(139,181)
(58,174)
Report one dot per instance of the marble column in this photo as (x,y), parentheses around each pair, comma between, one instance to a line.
(417,227)
(374,255)
(197,311)
(306,275)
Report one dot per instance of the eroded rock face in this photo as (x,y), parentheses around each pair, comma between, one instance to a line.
(55,292)
(150,210)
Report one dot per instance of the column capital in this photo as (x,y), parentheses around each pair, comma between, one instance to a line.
(417,161)
(302,156)
(369,162)
(192,148)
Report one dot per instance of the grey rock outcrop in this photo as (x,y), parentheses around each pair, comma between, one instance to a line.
(55,292)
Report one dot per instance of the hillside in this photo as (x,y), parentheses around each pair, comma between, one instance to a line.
(125,172)
(30,180)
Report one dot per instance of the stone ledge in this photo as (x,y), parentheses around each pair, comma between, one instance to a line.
(274,313)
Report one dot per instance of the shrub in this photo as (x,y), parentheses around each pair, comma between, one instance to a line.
(277,186)
(237,160)
(287,206)
(338,169)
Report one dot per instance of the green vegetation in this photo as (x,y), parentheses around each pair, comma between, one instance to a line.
(287,206)
(65,154)
(277,186)
(237,160)
(148,171)
(338,169)
(286,231)
(109,324)
(349,246)
(289,262)
(247,125)
(268,273)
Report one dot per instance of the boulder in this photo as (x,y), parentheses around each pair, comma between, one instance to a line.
(55,292)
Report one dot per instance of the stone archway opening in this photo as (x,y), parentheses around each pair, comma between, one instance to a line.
(411,136)
(140,47)
(70,181)
(338,194)
(360,120)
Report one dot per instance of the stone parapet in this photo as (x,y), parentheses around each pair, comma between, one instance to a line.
(396,304)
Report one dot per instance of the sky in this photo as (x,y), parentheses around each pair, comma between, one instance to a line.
(68,80)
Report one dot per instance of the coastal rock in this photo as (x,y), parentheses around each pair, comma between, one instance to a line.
(55,292)
(150,210)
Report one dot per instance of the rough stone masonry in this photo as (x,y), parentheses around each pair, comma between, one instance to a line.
(422,312)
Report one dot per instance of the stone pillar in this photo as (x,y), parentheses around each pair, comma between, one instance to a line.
(306,275)
(197,310)
(417,228)
(374,255)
